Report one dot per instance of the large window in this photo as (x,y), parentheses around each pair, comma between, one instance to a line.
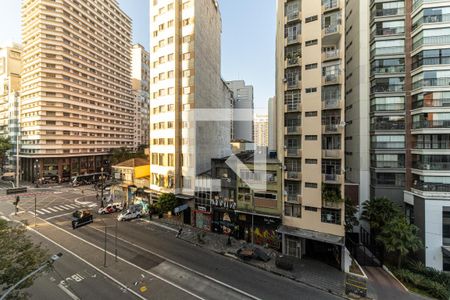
(388,179)
(387,103)
(291,32)
(388,66)
(388,47)
(387,123)
(436,36)
(431,78)
(388,142)
(388,160)
(431,57)
(388,28)
(332,216)
(388,9)
(431,15)
(387,85)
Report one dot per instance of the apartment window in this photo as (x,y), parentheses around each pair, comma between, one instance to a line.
(170,74)
(311,19)
(310,208)
(170,6)
(187,38)
(310,161)
(161,27)
(170,57)
(292,32)
(170,40)
(170,107)
(310,137)
(311,43)
(170,23)
(310,66)
(310,185)
(311,114)
(292,210)
(310,90)
(332,216)
(187,90)
(171,91)
(186,56)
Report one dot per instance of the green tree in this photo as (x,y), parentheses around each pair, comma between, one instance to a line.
(5,146)
(167,202)
(19,257)
(119,155)
(350,215)
(378,212)
(399,237)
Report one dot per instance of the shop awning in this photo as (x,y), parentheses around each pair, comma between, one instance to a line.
(257,214)
(312,235)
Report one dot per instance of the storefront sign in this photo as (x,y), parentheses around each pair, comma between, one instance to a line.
(223,203)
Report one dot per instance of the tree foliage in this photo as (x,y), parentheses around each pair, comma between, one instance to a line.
(350,215)
(167,202)
(378,212)
(122,154)
(399,237)
(5,146)
(19,257)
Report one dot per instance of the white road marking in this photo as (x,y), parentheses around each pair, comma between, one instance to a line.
(57,216)
(71,206)
(61,207)
(66,206)
(186,268)
(57,192)
(88,263)
(122,259)
(40,212)
(52,209)
(47,211)
(92,205)
(69,293)
(57,208)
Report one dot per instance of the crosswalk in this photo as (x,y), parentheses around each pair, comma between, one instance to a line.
(62,208)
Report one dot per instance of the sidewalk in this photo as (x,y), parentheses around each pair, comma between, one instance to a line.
(310,272)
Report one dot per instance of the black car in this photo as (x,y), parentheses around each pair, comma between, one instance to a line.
(81,218)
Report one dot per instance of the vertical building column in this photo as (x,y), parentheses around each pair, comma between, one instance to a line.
(408,97)
(178,176)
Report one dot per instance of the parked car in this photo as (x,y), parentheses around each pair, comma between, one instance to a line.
(81,217)
(9,176)
(109,209)
(50,179)
(132,212)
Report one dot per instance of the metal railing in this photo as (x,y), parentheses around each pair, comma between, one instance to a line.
(387,145)
(445,102)
(388,69)
(388,126)
(431,124)
(432,40)
(444,81)
(430,145)
(435,166)
(388,88)
(432,187)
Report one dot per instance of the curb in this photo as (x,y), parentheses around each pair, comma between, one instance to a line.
(234,257)
(395,278)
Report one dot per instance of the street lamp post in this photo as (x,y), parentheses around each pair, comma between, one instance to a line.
(102,187)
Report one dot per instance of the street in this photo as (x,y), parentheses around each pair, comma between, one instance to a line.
(151,261)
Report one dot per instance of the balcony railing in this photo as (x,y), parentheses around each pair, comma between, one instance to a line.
(330,4)
(432,187)
(293,16)
(387,145)
(431,19)
(331,29)
(388,70)
(331,204)
(293,175)
(331,104)
(388,126)
(294,198)
(387,107)
(293,152)
(331,127)
(387,31)
(331,79)
(293,130)
(429,145)
(445,102)
(444,82)
(332,54)
(331,153)
(419,3)
(387,164)
(388,88)
(431,61)
(431,124)
(389,12)
(432,40)
(435,166)
(332,178)
(388,51)
(292,107)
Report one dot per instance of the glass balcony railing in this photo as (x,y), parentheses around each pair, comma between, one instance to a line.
(388,88)
(387,126)
(431,124)
(444,82)
(431,19)
(432,145)
(388,70)
(435,166)
(430,61)
(432,187)
(384,12)
(431,103)
(387,164)
(387,31)
(387,50)
(387,145)
(432,40)
(387,107)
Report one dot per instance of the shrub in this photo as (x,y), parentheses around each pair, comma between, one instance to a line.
(430,273)
(437,290)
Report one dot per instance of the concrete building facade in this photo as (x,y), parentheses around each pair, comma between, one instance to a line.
(140,75)
(243,99)
(76,102)
(310,66)
(261,130)
(272,109)
(185,78)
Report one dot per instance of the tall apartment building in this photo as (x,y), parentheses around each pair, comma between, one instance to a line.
(10,70)
(76,99)
(243,99)
(310,113)
(185,78)
(261,130)
(272,110)
(140,75)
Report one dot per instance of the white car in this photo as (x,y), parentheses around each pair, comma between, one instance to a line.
(129,215)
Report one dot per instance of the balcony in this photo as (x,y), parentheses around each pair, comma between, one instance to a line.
(432,41)
(442,145)
(332,178)
(293,16)
(330,55)
(293,107)
(387,164)
(295,130)
(388,126)
(442,82)
(387,88)
(387,32)
(331,34)
(292,61)
(293,175)
(387,107)
(331,204)
(293,152)
(330,5)
(388,70)
(294,198)
(431,19)
(432,187)
(331,79)
(332,128)
(432,166)
(445,102)
(332,153)
(431,124)
(387,12)
(293,40)
(332,104)
(387,145)
(293,85)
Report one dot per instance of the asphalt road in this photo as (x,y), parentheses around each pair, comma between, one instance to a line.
(149,256)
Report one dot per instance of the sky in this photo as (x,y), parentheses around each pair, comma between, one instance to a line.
(248,38)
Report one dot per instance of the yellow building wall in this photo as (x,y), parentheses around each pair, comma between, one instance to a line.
(142,171)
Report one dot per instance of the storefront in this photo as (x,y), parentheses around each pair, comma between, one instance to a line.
(264,228)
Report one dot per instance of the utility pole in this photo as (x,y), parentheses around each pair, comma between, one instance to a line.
(102,187)
(35,208)
(17,143)
(104,258)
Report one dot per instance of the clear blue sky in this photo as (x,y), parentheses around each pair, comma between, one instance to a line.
(248,38)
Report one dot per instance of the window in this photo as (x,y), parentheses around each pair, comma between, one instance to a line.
(311,19)
(310,208)
(311,185)
(292,32)
(310,90)
(311,114)
(292,210)
(332,216)
(310,137)
(309,161)
(311,43)
(310,66)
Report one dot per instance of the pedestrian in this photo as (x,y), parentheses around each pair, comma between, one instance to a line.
(179,232)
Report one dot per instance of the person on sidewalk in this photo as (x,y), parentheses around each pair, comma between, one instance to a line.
(179,232)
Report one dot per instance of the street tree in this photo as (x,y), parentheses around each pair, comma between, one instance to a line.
(122,154)
(19,257)
(350,215)
(378,212)
(167,202)
(5,146)
(400,238)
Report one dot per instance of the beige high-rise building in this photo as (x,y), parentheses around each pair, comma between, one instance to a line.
(141,91)
(77,103)
(310,115)
(10,69)
(185,76)
(261,130)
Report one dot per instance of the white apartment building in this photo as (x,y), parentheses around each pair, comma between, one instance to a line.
(243,99)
